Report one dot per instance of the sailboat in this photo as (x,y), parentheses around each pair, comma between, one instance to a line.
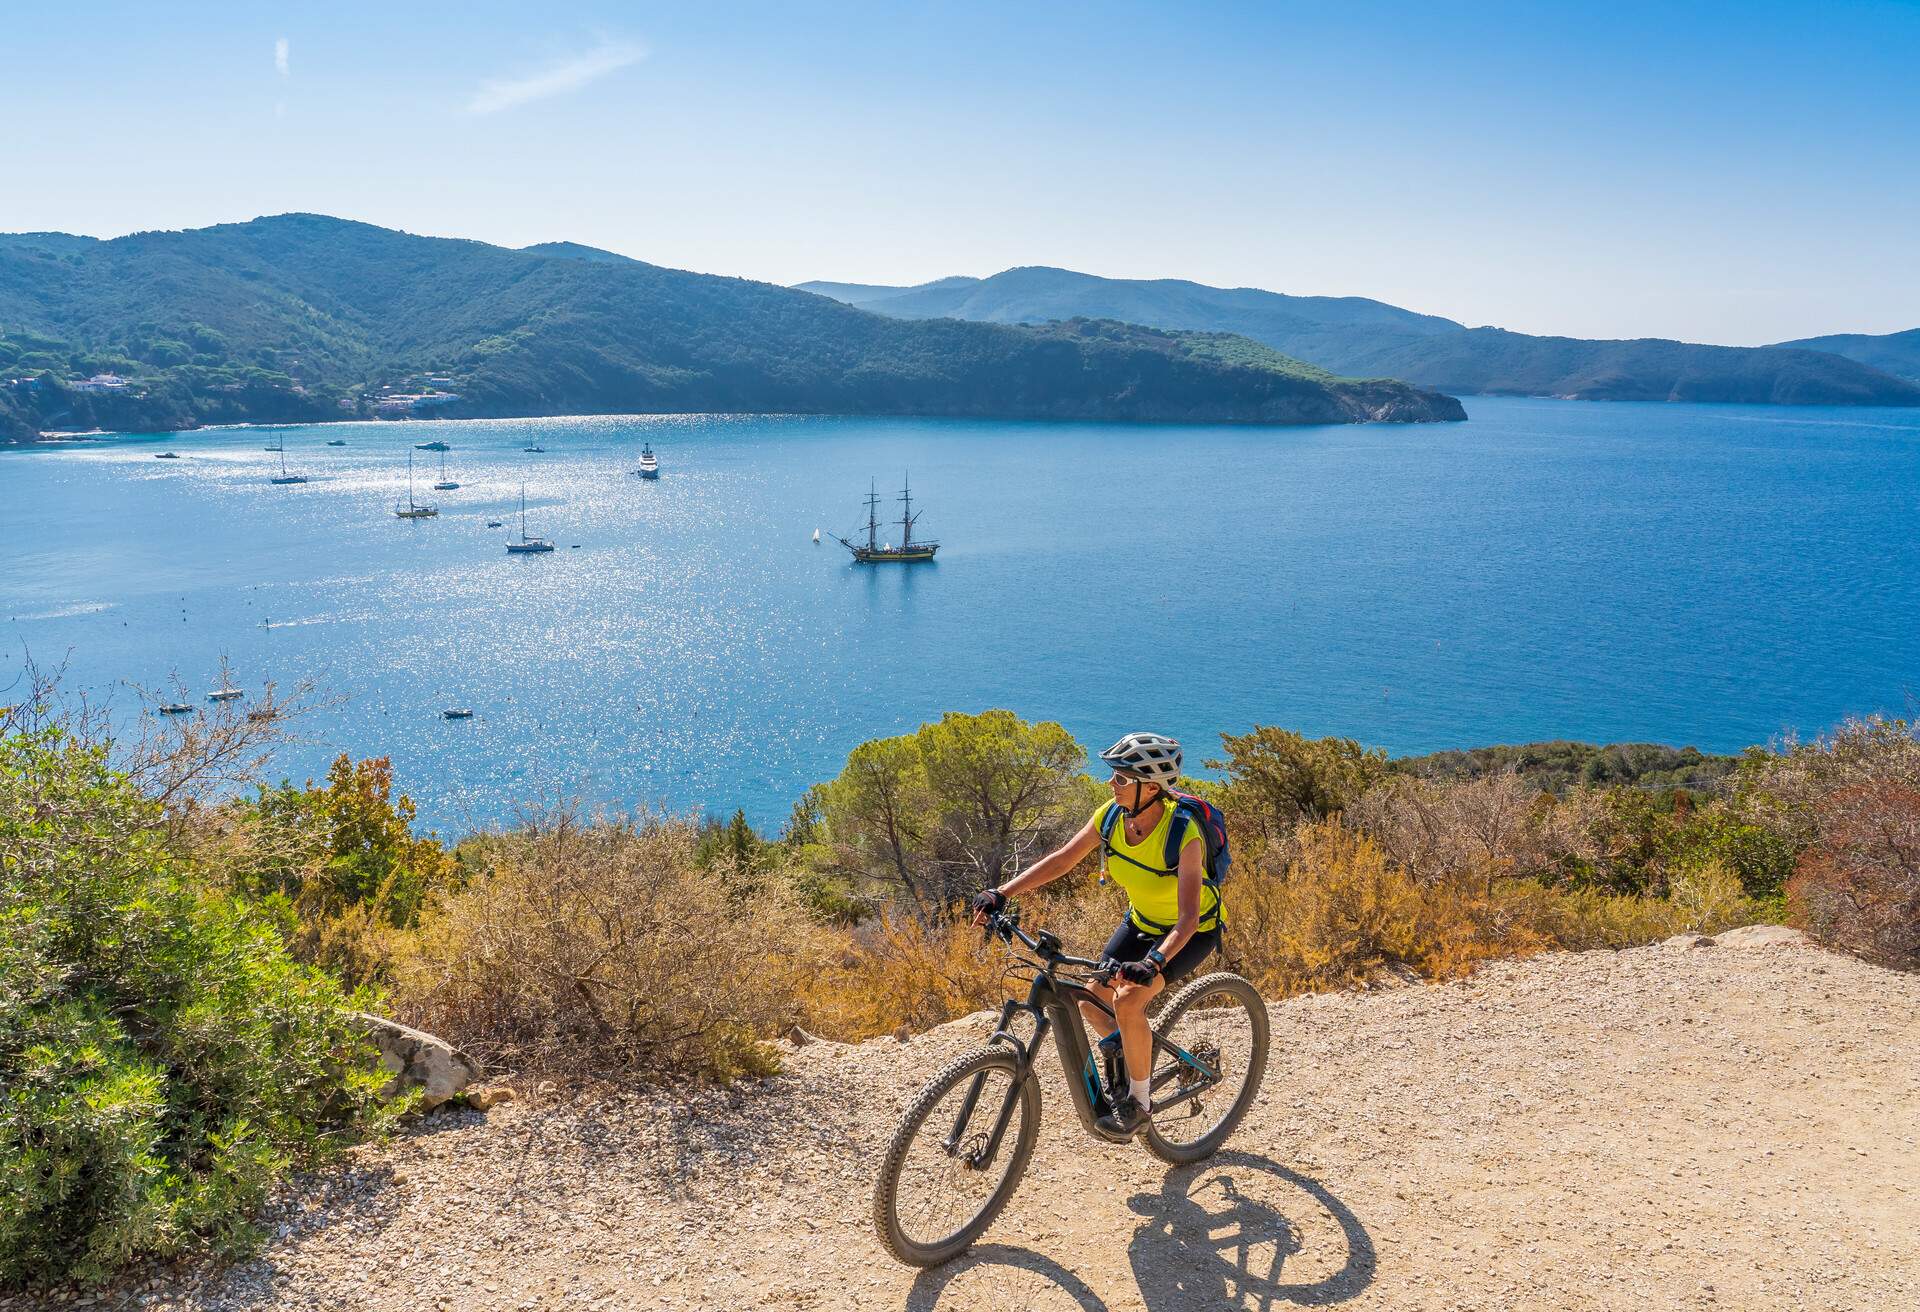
(649,467)
(413,509)
(445,484)
(873,553)
(526,545)
(285,477)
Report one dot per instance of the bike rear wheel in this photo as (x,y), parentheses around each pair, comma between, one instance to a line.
(944,1180)
(1221,1021)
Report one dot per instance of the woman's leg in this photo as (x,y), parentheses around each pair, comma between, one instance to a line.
(1126,944)
(1136,1036)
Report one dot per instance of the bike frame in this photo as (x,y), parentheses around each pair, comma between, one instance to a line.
(1053,1004)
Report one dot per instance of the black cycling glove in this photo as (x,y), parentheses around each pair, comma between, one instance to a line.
(1139,972)
(989,903)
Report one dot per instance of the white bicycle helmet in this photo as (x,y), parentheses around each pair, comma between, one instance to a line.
(1149,756)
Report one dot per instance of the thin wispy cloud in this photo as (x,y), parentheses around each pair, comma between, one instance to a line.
(280,48)
(567,75)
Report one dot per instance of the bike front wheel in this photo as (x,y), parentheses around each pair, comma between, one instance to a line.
(1217,1026)
(957,1157)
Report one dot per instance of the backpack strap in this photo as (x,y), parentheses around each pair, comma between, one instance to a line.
(1177,830)
(1109,820)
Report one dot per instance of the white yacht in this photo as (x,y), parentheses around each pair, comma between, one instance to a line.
(526,545)
(413,509)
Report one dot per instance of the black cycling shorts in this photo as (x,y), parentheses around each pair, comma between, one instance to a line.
(1130,943)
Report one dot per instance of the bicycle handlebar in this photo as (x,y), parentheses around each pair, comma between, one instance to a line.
(1008,928)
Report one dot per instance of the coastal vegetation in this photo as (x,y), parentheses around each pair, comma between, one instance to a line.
(163,1058)
(302,317)
(1356,336)
(183,946)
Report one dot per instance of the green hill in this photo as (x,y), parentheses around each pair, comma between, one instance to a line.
(1316,328)
(303,316)
(1492,361)
(1894,353)
(1355,336)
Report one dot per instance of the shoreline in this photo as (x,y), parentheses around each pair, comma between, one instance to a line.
(57,437)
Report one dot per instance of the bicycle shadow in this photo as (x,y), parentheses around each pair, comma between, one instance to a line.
(1209,1244)
(928,1286)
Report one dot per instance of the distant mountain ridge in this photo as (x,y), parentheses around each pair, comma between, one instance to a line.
(1358,337)
(302,316)
(1311,328)
(1894,353)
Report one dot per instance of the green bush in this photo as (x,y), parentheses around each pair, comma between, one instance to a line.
(162,1060)
(338,865)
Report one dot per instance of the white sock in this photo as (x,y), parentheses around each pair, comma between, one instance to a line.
(1142,1091)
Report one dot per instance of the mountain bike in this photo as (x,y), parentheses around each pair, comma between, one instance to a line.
(965,1141)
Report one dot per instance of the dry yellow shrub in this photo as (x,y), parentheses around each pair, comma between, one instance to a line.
(601,949)
(897,971)
(1705,899)
(1339,914)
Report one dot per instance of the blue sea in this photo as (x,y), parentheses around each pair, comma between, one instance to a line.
(1686,574)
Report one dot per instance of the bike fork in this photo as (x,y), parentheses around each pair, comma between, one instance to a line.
(968,1104)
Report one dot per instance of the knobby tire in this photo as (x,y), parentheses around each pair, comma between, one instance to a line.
(1015,1149)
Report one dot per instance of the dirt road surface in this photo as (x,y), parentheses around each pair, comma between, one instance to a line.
(1727,1126)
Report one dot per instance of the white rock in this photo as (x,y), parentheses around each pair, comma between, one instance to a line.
(420,1060)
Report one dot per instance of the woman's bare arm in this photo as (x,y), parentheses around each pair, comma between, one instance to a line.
(1053,865)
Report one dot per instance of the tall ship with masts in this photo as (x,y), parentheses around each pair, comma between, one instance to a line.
(873,551)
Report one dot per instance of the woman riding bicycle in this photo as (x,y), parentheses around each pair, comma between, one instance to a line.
(1173,915)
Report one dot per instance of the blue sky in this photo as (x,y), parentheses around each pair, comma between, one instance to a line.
(1735,173)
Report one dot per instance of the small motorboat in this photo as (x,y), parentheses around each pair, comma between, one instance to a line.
(493,523)
(225,695)
(445,487)
(816,537)
(338,441)
(431,446)
(175,708)
(167,455)
(457,713)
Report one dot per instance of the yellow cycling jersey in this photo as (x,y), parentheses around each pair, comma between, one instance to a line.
(1153,898)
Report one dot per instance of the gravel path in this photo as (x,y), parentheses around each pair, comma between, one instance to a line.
(1724,1126)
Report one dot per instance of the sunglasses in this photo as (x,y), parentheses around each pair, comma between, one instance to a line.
(1119,778)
